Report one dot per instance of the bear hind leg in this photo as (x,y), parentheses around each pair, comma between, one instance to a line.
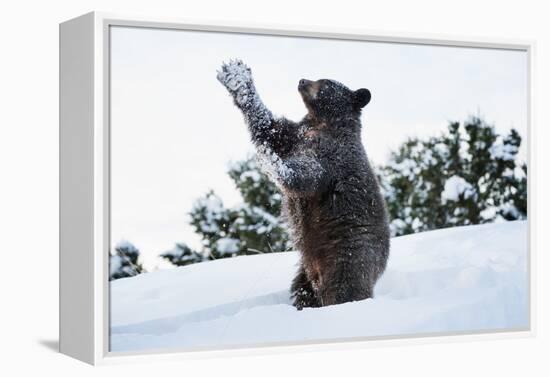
(346,283)
(302,291)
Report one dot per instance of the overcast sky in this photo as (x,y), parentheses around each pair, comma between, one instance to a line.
(174,128)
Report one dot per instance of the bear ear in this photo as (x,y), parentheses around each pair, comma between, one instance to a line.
(362,97)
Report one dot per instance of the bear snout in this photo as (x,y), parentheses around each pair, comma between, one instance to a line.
(303,83)
(308,89)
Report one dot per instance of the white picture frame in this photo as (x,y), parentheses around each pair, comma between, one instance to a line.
(84,181)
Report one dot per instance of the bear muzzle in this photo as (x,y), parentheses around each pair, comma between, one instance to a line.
(308,88)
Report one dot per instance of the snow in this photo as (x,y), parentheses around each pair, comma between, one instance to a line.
(123,244)
(115,263)
(488,213)
(182,253)
(211,204)
(506,152)
(397,224)
(428,158)
(237,78)
(254,175)
(416,224)
(227,245)
(442,149)
(454,187)
(461,279)
(273,166)
(408,168)
(213,208)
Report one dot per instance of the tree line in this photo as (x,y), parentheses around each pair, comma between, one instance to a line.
(467,175)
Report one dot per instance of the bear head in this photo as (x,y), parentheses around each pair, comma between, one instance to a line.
(326,99)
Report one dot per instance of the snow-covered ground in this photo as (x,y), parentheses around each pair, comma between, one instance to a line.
(452,280)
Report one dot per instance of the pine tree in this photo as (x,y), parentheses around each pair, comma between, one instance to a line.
(124,261)
(466,176)
(182,255)
(253,227)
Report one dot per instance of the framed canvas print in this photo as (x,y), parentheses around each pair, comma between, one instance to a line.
(237,189)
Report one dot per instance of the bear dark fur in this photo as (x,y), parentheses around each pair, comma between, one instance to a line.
(331,198)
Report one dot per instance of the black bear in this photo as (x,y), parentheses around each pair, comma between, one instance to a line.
(331,198)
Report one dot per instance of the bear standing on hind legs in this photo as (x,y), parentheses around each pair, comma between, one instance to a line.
(331,199)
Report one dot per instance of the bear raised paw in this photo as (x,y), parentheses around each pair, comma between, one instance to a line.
(237,78)
(331,198)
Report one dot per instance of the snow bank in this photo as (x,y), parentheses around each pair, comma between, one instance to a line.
(458,279)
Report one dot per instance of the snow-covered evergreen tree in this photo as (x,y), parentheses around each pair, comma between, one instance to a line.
(466,176)
(124,261)
(182,255)
(252,227)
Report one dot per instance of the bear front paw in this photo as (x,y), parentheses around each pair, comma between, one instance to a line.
(236,77)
